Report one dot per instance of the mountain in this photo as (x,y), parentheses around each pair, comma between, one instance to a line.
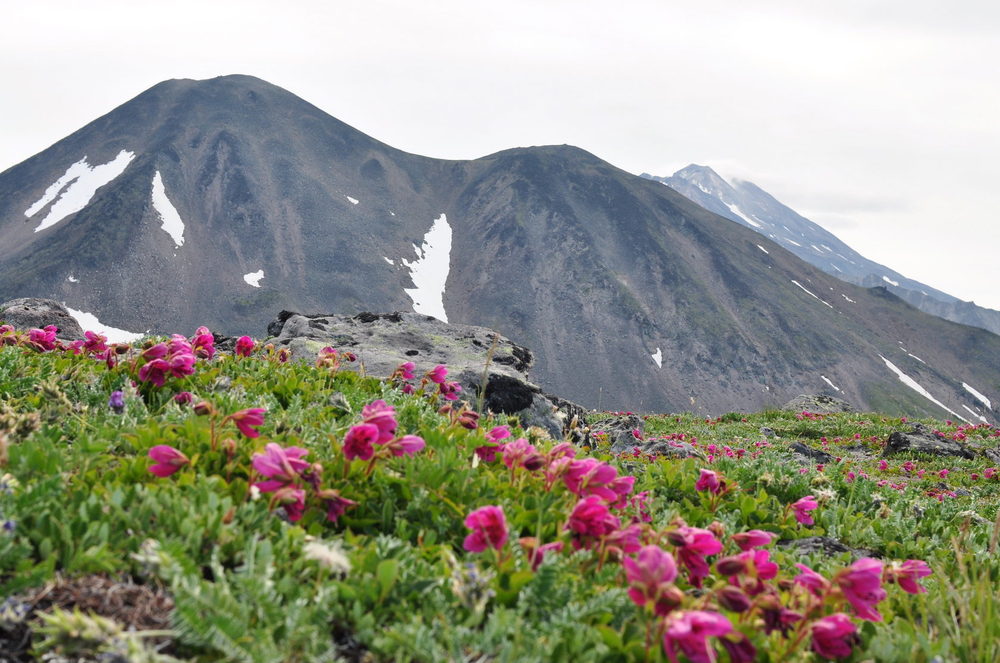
(749,205)
(223,201)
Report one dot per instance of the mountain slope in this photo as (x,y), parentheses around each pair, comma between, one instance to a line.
(751,206)
(630,295)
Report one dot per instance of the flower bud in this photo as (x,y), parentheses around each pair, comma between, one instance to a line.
(204,408)
(730,566)
(718,529)
(731,598)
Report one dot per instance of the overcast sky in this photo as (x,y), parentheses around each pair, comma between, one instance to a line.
(878,119)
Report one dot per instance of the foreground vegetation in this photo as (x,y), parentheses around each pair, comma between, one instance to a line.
(168,502)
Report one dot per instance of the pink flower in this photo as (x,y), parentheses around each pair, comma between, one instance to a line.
(154,371)
(292,500)
(861,584)
(589,476)
(814,582)
(245,346)
(437,374)
(498,433)
(755,538)
(591,519)
(908,573)
(406,445)
(802,507)
(449,390)
(709,481)
(359,440)
(833,636)
(405,370)
(521,453)
(203,343)
(336,505)
(383,417)
(693,545)
(158,351)
(537,555)
(184,398)
(95,343)
(181,364)
(489,529)
(168,460)
(43,339)
(247,420)
(281,466)
(651,575)
(690,631)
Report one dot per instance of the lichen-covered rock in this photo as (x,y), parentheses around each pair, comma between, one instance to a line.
(34,313)
(825,546)
(818,404)
(922,440)
(809,454)
(383,341)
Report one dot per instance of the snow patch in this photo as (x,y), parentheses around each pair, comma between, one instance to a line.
(916,357)
(848,298)
(253,278)
(763,249)
(827,380)
(890,281)
(89,322)
(391,262)
(172,223)
(78,185)
(975,414)
(353,201)
(738,212)
(73,279)
(791,241)
(979,397)
(429,271)
(837,268)
(391,212)
(658,358)
(912,384)
(809,293)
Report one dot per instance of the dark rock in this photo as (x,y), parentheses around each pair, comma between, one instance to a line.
(818,404)
(383,341)
(921,440)
(621,432)
(767,432)
(31,313)
(811,454)
(670,449)
(826,546)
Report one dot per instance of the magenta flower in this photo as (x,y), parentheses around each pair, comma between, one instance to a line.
(43,339)
(861,584)
(498,433)
(651,575)
(537,555)
(755,538)
(247,420)
(183,398)
(450,390)
(405,370)
(292,500)
(281,466)
(834,635)
(245,346)
(203,343)
(590,521)
(154,371)
(437,374)
(178,345)
(488,452)
(383,417)
(709,481)
(489,529)
(589,476)
(814,582)
(168,460)
(336,505)
(158,351)
(95,343)
(908,573)
(359,441)
(689,631)
(802,507)
(521,453)
(693,545)
(181,364)
(406,445)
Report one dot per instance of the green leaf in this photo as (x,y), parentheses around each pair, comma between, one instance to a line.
(386,574)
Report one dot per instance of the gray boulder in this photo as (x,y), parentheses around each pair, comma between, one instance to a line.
(621,432)
(922,440)
(32,313)
(818,404)
(383,341)
(825,546)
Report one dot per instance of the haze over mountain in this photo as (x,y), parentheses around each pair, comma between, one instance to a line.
(749,205)
(223,201)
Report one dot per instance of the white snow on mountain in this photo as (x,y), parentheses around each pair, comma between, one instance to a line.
(391,262)
(429,271)
(353,201)
(975,414)
(890,281)
(89,322)
(736,210)
(171,220)
(763,249)
(912,384)
(802,287)
(979,397)
(253,278)
(827,380)
(77,187)
(658,357)
(73,279)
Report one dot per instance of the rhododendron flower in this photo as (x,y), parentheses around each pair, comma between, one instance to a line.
(245,346)
(450,390)
(814,582)
(689,631)
(280,465)
(95,342)
(709,481)
(247,420)
(43,339)
(521,453)
(489,529)
(739,648)
(802,507)
(383,417)
(154,371)
(753,539)
(406,445)
(203,343)
(651,575)
(908,573)
(158,351)
(181,364)
(168,460)
(183,398)
(861,584)
(292,500)
(589,476)
(336,505)
(536,553)
(833,636)
(405,370)
(592,518)
(437,374)
(693,545)
(359,441)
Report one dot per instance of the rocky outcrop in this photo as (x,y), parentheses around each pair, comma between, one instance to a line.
(825,546)
(34,313)
(383,341)
(820,404)
(922,440)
